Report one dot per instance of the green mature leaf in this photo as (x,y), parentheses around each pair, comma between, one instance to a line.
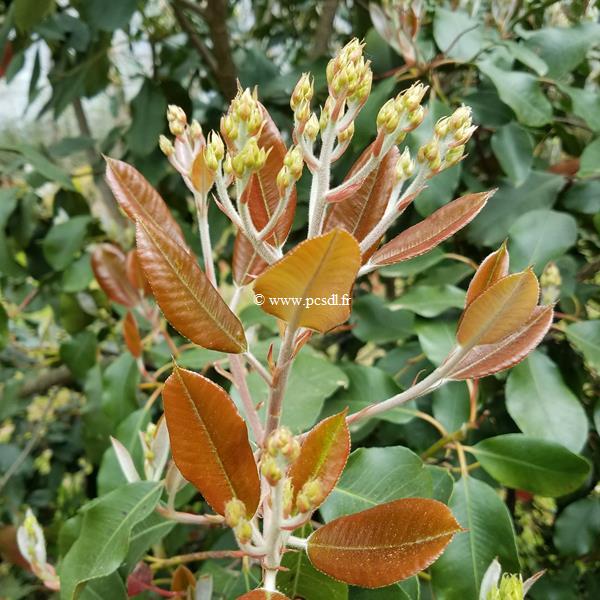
(148,109)
(119,387)
(78,275)
(513,148)
(374,321)
(577,530)
(457,34)
(104,540)
(583,197)
(543,406)
(590,160)
(562,48)
(526,56)
(79,353)
(522,92)
(64,240)
(152,530)
(111,587)
(539,236)
(304,581)
(3,327)
(367,385)
(451,405)
(109,15)
(437,338)
(312,380)
(585,336)
(538,466)
(489,534)
(28,13)
(430,300)
(443,483)
(585,104)
(376,475)
(491,226)
(405,590)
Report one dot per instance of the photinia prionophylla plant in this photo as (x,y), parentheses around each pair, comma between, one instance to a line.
(259,478)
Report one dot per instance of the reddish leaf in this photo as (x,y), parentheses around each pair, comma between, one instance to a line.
(491,358)
(138,199)
(315,271)
(209,441)
(261,192)
(108,264)
(384,544)
(247,264)
(131,334)
(182,579)
(493,268)
(139,580)
(323,455)
(501,310)
(262,595)
(202,177)
(365,207)
(432,231)
(185,295)
(9,549)
(135,274)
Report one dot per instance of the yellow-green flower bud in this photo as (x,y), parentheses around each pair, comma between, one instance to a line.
(413,96)
(385,112)
(405,166)
(454,156)
(460,118)
(216,144)
(288,497)
(270,470)
(196,130)
(463,135)
(282,443)
(294,161)
(243,532)
(210,160)
(166,147)
(284,179)
(310,496)
(227,165)
(177,128)
(415,118)
(442,126)
(302,92)
(363,89)
(311,129)
(235,512)
(302,113)
(229,127)
(176,113)
(346,135)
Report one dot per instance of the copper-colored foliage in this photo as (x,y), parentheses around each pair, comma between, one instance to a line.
(131,334)
(247,265)
(185,295)
(500,310)
(384,544)
(432,231)
(310,274)
(182,579)
(202,177)
(493,268)
(262,595)
(360,212)
(138,199)
(209,441)
(135,274)
(9,549)
(323,455)
(108,264)
(491,358)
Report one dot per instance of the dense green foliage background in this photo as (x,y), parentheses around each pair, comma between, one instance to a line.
(98,76)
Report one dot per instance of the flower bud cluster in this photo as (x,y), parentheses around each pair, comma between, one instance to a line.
(186,154)
(236,518)
(349,76)
(447,146)
(293,164)
(405,167)
(403,113)
(281,450)
(510,588)
(155,447)
(310,496)
(241,128)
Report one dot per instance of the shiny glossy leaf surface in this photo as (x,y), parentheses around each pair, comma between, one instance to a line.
(209,440)
(384,544)
(433,230)
(323,454)
(138,199)
(317,271)
(500,310)
(108,264)
(486,359)
(131,334)
(185,295)
(493,268)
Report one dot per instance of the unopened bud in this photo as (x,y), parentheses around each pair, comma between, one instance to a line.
(229,127)
(284,179)
(176,128)
(216,144)
(429,152)
(347,134)
(288,497)
(442,126)
(176,113)
(294,161)
(165,145)
(364,87)
(453,156)
(386,112)
(310,496)
(282,443)
(210,160)
(413,96)
(235,512)
(415,118)
(227,165)
(196,130)
(302,112)
(311,129)
(405,167)
(302,92)
(270,470)
(463,135)
(243,532)
(460,118)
